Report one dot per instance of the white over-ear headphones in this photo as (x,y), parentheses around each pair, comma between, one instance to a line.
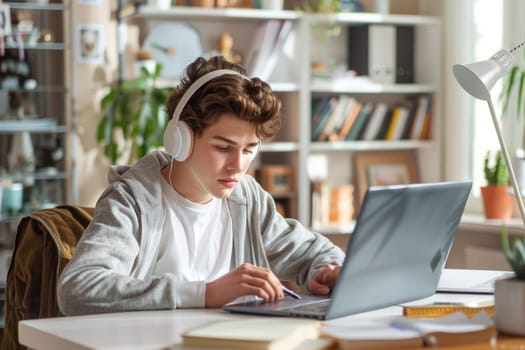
(178,136)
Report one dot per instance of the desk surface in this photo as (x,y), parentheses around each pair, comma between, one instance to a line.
(162,329)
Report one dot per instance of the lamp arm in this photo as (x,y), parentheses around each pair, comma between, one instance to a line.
(506,157)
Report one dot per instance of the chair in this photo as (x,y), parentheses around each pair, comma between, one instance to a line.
(44,243)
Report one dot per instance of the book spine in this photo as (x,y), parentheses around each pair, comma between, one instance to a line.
(372,129)
(350,120)
(359,123)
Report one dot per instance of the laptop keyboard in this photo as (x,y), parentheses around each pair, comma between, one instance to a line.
(311,308)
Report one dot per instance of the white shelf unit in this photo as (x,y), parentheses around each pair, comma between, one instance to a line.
(426,81)
(292,81)
(51,124)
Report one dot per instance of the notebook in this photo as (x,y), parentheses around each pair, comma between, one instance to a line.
(402,237)
(470,281)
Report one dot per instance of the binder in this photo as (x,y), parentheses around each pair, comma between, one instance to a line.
(383,52)
(372,52)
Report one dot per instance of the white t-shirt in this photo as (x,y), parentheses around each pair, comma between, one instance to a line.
(197,239)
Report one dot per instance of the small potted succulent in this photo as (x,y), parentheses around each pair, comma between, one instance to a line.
(497,201)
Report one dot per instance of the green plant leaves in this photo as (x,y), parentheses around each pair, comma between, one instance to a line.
(515,79)
(496,174)
(515,255)
(134,112)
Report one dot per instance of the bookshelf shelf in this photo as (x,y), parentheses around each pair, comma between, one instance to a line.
(196,13)
(347,87)
(279,147)
(354,18)
(346,146)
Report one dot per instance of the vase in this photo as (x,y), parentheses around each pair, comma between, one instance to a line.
(382,6)
(497,201)
(509,306)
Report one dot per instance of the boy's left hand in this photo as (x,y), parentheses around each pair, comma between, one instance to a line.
(324,280)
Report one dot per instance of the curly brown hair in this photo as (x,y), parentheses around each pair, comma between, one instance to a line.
(251,100)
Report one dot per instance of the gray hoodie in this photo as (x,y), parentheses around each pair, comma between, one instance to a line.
(112,267)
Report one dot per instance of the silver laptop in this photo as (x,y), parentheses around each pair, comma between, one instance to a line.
(396,254)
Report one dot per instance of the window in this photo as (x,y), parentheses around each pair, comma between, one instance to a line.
(486,40)
(475,30)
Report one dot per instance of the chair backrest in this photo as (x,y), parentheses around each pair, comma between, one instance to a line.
(44,243)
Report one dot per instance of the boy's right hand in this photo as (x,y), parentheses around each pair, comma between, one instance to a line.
(245,280)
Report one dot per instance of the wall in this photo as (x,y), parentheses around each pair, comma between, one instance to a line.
(91,80)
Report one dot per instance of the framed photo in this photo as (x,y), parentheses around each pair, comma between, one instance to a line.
(384,168)
(90,40)
(277,178)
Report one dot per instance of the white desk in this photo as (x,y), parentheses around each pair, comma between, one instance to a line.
(152,329)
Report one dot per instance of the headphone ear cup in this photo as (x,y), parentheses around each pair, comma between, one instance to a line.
(178,140)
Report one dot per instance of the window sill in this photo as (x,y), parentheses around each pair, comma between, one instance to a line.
(477,222)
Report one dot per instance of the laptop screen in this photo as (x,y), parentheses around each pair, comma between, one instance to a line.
(399,246)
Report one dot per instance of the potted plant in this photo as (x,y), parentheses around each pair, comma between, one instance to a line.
(497,201)
(509,293)
(134,117)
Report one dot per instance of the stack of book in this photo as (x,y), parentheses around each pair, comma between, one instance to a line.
(345,118)
(407,333)
(331,204)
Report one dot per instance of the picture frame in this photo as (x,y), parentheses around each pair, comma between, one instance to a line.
(277,179)
(90,43)
(378,168)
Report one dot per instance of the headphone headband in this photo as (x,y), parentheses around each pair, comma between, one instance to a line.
(197,84)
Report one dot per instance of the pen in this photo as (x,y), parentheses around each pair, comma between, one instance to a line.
(290,293)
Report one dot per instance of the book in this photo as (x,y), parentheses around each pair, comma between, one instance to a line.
(426,132)
(453,329)
(267,45)
(374,124)
(419,117)
(341,204)
(263,44)
(350,120)
(321,116)
(316,107)
(381,134)
(403,332)
(359,123)
(369,334)
(332,119)
(398,123)
(346,105)
(265,333)
(267,64)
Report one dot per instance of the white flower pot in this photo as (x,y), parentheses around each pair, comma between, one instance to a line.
(509,306)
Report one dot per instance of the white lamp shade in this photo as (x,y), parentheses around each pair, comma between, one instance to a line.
(478,78)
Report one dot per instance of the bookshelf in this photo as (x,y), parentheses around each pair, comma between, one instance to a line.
(36,105)
(297,84)
(336,50)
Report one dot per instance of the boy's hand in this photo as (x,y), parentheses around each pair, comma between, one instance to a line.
(324,280)
(245,280)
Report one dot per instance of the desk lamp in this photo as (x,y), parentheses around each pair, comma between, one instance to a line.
(478,79)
